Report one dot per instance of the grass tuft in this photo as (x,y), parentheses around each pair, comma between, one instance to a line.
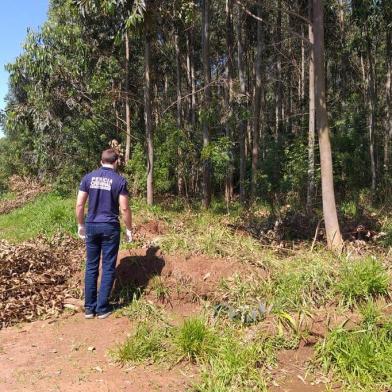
(236,366)
(362,280)
(147,344)
(195,340)
(361,358)
(141,310)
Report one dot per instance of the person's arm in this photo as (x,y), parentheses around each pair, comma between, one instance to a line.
(126,215)
(79,211)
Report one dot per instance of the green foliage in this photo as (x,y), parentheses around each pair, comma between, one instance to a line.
(361,280)
(205,233)
(135,170)
(349,208)
(302,283)
(218,153)
(147,344)
(195,340)
(236,366)
(361,358)
(45,215)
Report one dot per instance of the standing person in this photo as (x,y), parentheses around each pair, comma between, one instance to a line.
(107,194)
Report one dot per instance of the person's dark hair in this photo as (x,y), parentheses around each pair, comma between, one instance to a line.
(109,156)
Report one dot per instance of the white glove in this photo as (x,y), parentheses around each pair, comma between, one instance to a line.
(128,235)
(82,232)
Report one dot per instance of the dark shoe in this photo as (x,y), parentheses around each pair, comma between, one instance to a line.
(89,314)
(104,315)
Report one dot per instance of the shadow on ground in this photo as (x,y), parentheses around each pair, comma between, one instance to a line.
(133,274)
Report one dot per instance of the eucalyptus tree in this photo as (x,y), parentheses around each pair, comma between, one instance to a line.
(332,229)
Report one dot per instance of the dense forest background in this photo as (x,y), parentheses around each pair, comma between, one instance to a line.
(206,98)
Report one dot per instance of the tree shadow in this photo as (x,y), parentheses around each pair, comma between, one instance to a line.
(133,274)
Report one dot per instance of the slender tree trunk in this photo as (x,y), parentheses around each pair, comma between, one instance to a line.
(371,103)
(388,98)
(302,76)
(243,121)
(147,109)
(207,102)
(334,237)
(312,120)
(278,87)
(192,83)
(257,102)
(180,167)
(127,107)
(229,97)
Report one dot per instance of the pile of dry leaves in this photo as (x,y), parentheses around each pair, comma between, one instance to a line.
(37,277)
(24,190)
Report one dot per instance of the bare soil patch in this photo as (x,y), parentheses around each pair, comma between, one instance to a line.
(71,354)
(291,376)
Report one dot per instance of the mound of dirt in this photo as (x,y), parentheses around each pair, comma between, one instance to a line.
(147,231)
(35,278)
(24,189)
(183,279)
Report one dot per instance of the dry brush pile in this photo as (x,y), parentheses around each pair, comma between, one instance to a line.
(36,278)
(24,190)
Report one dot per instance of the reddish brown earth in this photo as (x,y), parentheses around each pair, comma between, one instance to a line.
(291,376)
(72,354)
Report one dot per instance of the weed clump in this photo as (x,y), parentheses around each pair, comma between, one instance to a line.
(361,358)
(362,280)
(147,344)
(236,366)
(195,340)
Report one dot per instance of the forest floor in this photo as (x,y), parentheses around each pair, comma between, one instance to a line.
(203,305)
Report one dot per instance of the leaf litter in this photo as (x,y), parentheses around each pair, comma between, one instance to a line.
(37,278)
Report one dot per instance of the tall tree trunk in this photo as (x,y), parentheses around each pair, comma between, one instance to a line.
(332,229)
(229,98)
(147,109)
(127,108)
(243,121)
(388,98)
(371,107)
(257,102)
(302,75)
(191,75)
(278,84)
(312,119)
(180,167)
(206,103)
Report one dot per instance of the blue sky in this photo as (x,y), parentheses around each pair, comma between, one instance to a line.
(15,17)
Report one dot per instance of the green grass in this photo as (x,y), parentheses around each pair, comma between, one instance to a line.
(236,365)
(304,281)
(362,279)
(45,215)
(209,234)
(8,195)
(195,339)
(360,358)
(141,310)
(147,344)
(157,285)
(227,360)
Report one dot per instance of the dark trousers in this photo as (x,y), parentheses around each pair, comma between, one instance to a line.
(105,238)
